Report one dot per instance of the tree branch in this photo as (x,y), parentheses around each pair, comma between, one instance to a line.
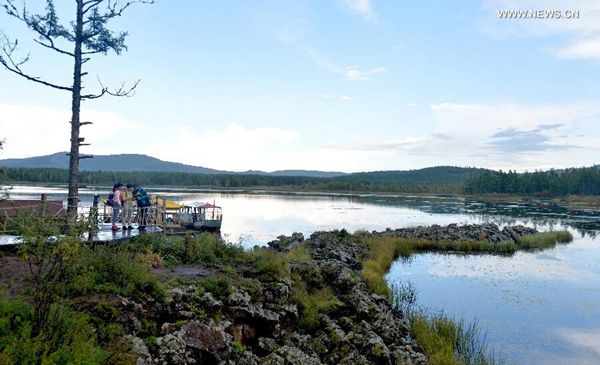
(120,92)
(51,46)
(7,60)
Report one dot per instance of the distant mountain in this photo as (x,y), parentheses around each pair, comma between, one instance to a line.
(125,162)
(137,163)
(307,173)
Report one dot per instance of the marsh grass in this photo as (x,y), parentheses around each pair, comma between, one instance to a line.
(543,240)
(444,340)
(448,341)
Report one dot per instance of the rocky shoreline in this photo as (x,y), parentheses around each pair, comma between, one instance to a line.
(469,232)
(360,328)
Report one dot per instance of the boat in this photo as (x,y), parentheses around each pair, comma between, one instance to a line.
(200,217)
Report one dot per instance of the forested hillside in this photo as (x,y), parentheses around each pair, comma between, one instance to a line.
(449,180)
(580,181)
(440,180)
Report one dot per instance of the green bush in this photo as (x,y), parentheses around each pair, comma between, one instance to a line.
(312,302)
(114,270)
(208,249)
(71,342)
(268,264)
(220,287)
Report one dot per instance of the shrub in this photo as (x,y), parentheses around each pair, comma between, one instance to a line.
(220,287)
(312,302)
(268,264)
(71,341)
(114,270)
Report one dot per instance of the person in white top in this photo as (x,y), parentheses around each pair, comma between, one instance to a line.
(117,205)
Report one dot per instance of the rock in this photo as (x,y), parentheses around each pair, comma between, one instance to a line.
(470,232)
(172,350)
(268,345)
(209,302)
(286,243)
(167,328)
(242,332)
(294,356)
(278,292)
(140,349)
(272,359)
(239,298)
(248,358)
(207,341)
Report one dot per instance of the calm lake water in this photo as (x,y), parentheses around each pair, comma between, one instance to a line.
(537,307)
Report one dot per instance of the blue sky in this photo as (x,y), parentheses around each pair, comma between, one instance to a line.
(349,85)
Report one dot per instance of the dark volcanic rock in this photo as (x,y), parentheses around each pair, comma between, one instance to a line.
(469,232)
(286,243)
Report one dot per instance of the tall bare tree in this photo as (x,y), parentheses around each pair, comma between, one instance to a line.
(3,190)
(85,36)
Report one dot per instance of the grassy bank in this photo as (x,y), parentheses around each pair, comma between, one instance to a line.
(444,340)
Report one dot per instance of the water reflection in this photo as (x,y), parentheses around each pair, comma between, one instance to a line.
(258,218)
(540,307)
(537,307)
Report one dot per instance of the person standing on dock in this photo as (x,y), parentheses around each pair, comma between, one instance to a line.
(143,203)
(127,214)
(117,204)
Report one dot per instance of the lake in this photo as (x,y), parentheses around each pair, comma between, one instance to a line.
(538,307)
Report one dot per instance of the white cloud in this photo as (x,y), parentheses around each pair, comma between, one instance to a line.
(583,33)
(34,131)
(354,74)
(362,7)
(351,73)
(506,136)
(233,147)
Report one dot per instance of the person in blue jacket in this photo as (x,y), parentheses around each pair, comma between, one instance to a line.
(143,203)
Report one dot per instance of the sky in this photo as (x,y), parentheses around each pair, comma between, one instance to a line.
(338,85)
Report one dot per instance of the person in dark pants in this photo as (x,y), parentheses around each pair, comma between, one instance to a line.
(143,203)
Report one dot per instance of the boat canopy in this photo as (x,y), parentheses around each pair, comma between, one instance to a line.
(208,206)
(169,204)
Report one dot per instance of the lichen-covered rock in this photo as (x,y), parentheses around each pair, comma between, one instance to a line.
(272,359)
(207,342)
(140,349)
(294,356)
(286,243)
(172,350)
(469,232)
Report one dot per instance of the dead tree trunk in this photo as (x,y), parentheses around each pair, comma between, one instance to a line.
(73,199)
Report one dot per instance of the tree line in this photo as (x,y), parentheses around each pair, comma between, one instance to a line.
(576,181)
(338,184)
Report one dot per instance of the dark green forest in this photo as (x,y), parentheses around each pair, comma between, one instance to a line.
(439,180)
(577,181)
(431,180)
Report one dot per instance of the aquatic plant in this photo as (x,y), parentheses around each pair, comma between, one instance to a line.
(544,240)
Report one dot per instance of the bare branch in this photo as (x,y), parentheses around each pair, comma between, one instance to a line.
(123,91)
(51,46)
(7,49)
(113,8)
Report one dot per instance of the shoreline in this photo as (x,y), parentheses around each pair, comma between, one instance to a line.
(567,201)
(300,302)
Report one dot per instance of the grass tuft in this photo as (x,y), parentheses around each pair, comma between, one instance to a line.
(543,240)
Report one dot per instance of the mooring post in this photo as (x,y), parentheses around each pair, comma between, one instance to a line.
(93,220)
(43,205)
(164,211)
